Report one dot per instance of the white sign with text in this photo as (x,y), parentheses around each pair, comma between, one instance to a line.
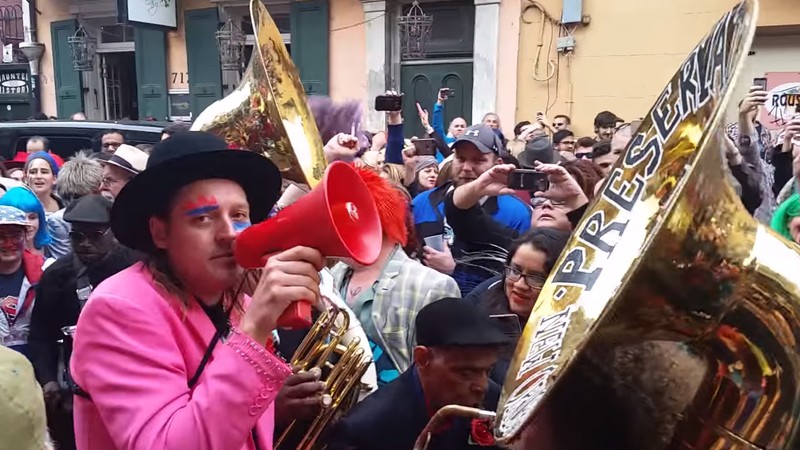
(154,12)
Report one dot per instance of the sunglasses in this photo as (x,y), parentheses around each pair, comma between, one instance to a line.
(583,155)
(534,281)
(79,236)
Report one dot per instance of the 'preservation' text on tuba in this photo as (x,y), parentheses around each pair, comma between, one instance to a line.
(667,253)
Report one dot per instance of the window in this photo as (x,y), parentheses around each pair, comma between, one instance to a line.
(64,146)
(114,34)
(453,29)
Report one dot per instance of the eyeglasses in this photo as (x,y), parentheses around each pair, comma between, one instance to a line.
(108,181)
(538,202)
(79,236)
(533,280)
(111,144)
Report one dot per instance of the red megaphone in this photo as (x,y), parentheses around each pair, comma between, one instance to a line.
(338,218)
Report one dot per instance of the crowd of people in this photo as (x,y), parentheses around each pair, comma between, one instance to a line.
(121,292)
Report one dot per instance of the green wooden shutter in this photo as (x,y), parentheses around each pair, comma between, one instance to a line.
(205,75)
(310,32)
(69,89)
(151,72)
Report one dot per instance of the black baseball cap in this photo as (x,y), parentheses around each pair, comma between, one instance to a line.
(89,209)
(456,322)
(481,136)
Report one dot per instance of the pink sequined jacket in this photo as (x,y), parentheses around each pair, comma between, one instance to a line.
(136,346)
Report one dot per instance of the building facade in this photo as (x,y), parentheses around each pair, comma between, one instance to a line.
(625,52)
(348,49)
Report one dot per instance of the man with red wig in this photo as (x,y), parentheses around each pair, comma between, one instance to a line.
(387,295)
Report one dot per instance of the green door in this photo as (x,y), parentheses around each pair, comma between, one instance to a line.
(205,74)
(151,72)
(310,30)
(421,83)
(69,90)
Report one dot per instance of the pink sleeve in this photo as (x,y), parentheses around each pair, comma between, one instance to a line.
(136,376)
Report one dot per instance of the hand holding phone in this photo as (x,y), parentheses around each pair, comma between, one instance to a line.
(389,103)
(528,180)
(761,83)
(424,147)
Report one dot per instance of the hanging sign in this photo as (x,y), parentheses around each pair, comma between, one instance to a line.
(15,82)
(152,12)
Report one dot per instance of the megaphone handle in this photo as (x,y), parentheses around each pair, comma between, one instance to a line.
(297,316)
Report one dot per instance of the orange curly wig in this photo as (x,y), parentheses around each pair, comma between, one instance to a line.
(392,205)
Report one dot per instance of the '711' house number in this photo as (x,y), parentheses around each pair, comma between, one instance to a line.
(180,77)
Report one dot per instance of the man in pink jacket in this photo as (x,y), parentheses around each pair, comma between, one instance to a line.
(168,354)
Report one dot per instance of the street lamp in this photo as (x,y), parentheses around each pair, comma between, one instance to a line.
(33,51)
(82,47)
(230,43)
(415,32)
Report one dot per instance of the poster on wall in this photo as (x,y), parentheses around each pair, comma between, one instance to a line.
(152,12)
(784,99)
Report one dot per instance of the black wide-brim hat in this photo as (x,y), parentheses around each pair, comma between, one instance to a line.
(181,160)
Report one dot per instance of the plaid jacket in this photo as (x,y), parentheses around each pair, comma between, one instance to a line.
(405,287)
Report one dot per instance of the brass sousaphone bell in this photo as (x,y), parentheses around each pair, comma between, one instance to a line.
(667,253)
(268,114)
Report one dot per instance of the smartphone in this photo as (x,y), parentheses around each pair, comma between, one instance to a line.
(509,323)
(528,180)
(447,92)
(389,103)
(435,242)
(424,147)
(761,83)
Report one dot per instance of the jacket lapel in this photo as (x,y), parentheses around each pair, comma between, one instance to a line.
(197,322)
(385,284)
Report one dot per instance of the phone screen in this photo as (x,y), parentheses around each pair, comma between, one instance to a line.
(509,323)
(389,103)
(761,83)
(425,147)
(528,180)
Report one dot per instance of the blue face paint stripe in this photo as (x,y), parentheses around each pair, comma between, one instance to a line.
(240,226)
(202,210)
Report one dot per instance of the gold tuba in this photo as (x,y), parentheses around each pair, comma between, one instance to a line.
(667,253)
(268,114)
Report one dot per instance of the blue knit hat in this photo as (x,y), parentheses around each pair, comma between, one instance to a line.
(45,156)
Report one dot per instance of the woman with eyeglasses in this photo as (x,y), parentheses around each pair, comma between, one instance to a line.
(510,297)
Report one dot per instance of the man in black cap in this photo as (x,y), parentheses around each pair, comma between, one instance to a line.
(476,151)
(63,290)
(457,345)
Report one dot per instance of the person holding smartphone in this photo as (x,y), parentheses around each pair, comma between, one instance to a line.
(476,152)
(513,293)
(457,126)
